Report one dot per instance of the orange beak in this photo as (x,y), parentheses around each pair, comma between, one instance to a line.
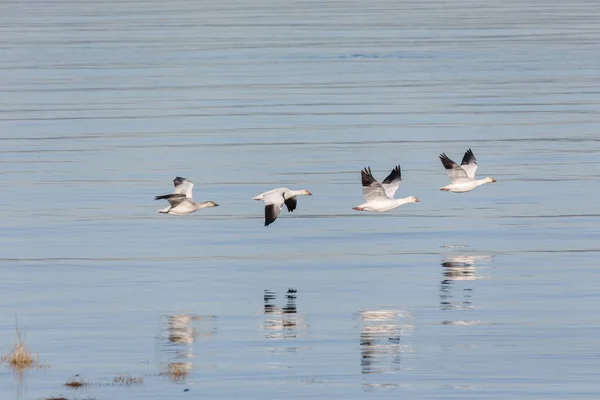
(308,193)
(417,200)
(493,180)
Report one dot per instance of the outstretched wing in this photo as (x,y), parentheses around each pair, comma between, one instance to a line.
(183,186)
(273,204)
(173,199)
(392,182)
(372,190)
(469,164)
(454,171)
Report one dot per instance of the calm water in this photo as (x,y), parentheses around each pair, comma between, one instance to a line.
(487,295)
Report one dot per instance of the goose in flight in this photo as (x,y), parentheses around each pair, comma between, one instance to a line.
(379,197)
(276,198)
(181,201)
(463,175)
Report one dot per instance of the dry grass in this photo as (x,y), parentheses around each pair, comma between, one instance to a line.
(177,371)
(128,380)
(20,358)
(76,383)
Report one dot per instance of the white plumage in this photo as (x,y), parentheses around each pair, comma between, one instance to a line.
(276,198)
(463,175)
(181,201)
(379,197)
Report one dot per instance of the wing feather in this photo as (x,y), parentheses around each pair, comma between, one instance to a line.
(183,186)
(271,213)
(291,203)
(392,182)
(454,171)
(469,164)
(372,190)
(173,199)
(273,203)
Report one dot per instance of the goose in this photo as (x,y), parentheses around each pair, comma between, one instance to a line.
(181,201)
(276,198)
(379,197)
(463,175)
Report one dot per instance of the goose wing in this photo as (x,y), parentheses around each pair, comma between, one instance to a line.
(173,199)
(273,204)
(372,190)
(469,164)
(291,203)
(454,171)
(183,186)
(392,182)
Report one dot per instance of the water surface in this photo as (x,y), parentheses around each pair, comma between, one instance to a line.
(490,294)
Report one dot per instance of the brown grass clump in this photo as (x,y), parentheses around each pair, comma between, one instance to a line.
(20,358)
(177,371)
(76,383)
(128,380)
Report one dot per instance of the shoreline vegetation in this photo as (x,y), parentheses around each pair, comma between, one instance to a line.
(21,359)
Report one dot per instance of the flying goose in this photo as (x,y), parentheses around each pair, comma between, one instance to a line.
(463,176)
(379,197)
(181,201)
(276,198)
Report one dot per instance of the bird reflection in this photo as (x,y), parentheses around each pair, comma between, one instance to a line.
(281,323)
(176,339)
(457,285)
(381,346)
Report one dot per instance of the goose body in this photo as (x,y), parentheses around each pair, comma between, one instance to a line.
(379,197)
(463,175)
(275,199)
(181,201)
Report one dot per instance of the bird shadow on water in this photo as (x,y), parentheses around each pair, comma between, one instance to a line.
(457,286)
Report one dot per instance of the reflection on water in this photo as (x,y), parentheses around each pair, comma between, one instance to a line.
(456,287)
(176,339)
(284,322)
(20,375)
(103,102)
(381,342)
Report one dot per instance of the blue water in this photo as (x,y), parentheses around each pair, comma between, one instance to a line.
(490,294)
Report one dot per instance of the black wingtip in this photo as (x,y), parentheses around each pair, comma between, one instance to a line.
(396,174)
(290,203)
(178,180)
(446,161)
(267,222)
(169,196)
(367,177)
(468,158)
(270,214)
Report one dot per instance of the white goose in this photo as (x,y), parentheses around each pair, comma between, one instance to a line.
(276,198)
(181,201)
(463,175)
(379,197)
